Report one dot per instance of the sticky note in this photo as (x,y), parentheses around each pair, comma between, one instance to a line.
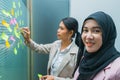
(18,45)
(22,22)
(13,21)
(19,5)
(18,13)
(12,12)
(9,29)
(21,12)
(17,34)
(39,75)
(7,44)
(6,13)
(15,51)
(4,36)
(14,5)
(4,23)
(12,38)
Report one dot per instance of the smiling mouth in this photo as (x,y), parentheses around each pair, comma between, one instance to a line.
(89,44)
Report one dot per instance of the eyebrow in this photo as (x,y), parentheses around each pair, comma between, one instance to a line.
(94,27)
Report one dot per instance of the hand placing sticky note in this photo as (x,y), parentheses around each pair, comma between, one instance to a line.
(39,75)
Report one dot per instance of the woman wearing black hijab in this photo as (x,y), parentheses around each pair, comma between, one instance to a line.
(100,60)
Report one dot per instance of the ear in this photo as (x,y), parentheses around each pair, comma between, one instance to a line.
(71,32)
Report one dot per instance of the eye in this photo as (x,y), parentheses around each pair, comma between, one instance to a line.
(85,30)
(97,30)
(61,28)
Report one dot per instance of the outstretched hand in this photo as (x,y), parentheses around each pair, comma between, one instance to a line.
(47,77)
(26,34)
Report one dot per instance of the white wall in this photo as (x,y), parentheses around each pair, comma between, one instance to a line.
(80,9)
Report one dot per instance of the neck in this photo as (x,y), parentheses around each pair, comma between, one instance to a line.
(65,44)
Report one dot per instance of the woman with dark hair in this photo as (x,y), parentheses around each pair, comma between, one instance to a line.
(62,53)
(100,60)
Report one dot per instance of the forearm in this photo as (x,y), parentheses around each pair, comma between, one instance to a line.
(40,48)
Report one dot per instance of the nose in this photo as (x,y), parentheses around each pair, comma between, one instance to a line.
(58,30)
(89,35)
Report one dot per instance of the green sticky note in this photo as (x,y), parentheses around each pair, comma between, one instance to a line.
(21,12)
(18,13)
(14,5)
(18,45)
(39,75)
(17,34)
(15,51)
(19,5)
(9,29)
(4,36)
(22,22)
(6,13)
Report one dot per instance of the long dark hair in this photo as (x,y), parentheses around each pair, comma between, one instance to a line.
(72,24)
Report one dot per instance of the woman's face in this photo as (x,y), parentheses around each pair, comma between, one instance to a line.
(92,36)
(63,33)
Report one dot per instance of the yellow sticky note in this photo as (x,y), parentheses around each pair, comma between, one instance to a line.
(4,23)
(4,36)
(7,44)
(15,51)
(39,75)
(12,12)
(17,26)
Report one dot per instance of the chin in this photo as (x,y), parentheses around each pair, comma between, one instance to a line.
(90,51)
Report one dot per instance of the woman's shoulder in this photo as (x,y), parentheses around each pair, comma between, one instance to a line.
(116,61)
(111,72)
(115,65)
(115,69)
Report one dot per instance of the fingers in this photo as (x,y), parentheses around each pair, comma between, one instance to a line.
(26,33)
(25,29)
(47,77)
(44,77)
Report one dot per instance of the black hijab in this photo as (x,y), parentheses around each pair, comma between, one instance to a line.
(93,63)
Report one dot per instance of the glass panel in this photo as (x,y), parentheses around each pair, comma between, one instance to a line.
(13,53)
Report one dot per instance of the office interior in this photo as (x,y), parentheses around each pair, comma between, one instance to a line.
(43,17)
